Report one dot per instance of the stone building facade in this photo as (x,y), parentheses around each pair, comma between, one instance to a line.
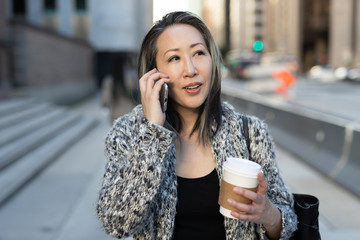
(61,49)
(325,32)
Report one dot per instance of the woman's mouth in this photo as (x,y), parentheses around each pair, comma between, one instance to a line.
(193,88)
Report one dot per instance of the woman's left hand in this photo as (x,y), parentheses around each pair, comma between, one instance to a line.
(261,210)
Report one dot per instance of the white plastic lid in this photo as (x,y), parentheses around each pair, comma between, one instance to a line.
(242,167)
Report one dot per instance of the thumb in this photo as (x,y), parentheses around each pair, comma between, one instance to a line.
(263,185)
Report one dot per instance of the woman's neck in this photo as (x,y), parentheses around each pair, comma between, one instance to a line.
(188,120)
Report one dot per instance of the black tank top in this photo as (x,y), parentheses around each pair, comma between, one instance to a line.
(198,215)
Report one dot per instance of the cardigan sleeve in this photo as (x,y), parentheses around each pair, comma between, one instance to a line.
(136,150)
(263,152)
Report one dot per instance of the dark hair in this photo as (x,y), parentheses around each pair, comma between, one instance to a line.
(210,110)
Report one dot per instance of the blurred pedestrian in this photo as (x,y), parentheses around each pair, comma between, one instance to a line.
(164,168)
(286,80)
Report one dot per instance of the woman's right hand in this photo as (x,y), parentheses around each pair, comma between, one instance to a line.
(150,85)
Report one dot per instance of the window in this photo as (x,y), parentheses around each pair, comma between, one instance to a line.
(49,6)
(80,6)
(50,17)
(80,20)
(19,8)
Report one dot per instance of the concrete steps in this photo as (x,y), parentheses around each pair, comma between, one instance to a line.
(21,114)
(32,135)
(12,105)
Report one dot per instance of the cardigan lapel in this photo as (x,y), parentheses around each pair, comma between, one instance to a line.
(227,143)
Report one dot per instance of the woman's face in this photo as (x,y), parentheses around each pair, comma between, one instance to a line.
(183,56)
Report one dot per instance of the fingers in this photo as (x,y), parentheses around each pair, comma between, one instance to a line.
(144,78)
(245,216)
(247,212)
(246,193)
(254,196)
(241,207)
(256,210)
(257,196)
(148,80)
(150,84)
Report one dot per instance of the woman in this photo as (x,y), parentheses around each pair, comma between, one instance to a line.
(163,171)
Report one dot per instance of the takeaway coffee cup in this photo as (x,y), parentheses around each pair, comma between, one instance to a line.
(237,172)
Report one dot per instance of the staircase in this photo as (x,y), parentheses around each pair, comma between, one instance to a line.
(32,135)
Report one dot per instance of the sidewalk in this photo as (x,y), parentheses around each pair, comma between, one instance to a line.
(60,203)
(339,218)
(83,222)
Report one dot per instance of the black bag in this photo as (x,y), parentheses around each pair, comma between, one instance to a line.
(306,206)
(307,210)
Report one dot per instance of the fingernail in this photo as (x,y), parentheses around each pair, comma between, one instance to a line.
(230,201)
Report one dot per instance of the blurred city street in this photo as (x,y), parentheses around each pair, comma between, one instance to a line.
(59,203)
(339,99)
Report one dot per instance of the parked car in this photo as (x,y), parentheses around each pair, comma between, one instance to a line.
(350,74)
(354,74)
(238,60)
(271,63)
(323,73)
(279,57)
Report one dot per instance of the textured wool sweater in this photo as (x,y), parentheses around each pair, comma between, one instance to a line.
(139,192)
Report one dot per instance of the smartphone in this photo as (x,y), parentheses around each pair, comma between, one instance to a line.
(164,97)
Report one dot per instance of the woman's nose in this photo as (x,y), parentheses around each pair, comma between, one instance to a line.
(189,68)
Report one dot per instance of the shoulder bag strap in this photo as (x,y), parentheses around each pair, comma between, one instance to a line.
(246,132)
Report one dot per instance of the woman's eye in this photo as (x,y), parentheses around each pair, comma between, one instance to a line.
(200,53)
(174,58)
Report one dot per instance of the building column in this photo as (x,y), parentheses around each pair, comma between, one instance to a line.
(357,34)
(65,15)
(341,52)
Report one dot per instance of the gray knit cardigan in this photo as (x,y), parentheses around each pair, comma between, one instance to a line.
(139,192)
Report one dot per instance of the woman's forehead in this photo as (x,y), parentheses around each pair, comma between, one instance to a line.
(179,35)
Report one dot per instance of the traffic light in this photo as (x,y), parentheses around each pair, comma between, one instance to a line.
(258,46)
